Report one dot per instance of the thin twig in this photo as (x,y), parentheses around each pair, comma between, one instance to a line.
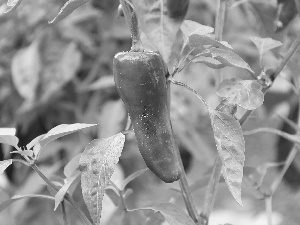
(64,213)
(211,191)
(67,197)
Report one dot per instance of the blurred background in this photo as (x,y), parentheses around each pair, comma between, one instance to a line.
(62,74)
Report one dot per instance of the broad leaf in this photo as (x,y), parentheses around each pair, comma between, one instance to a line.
(62,192)
(4,164)
(67,9)
(197,40)
(26,67)
(8,131)
(265,44)
(245,93)
(228,58)
(5,204)
(63,130)
(97,164)
(160,29)
(133,176)
(231,147)
(173,214)
(9,140)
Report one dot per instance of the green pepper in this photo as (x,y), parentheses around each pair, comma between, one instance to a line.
(141,83)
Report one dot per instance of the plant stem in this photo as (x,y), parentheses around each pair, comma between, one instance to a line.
(64,213)
(67,197)
(219,26)
(211,191)
(268,202)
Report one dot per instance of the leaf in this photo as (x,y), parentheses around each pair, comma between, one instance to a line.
(8,131)
(67,9)
(231,147)
(35,141)
(63,61)
(160,29)
(172,213)
(12,5)
(133,176)
(228,58)
(63,130)
(197,40)
(210,62)
(72,166)
(5,204)
(9,140)
(26,67)
(97,164)
(4,164)
(62,192)
(189,27)
(265,44)
(245,93)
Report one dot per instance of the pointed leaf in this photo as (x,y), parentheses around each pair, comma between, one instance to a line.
(245,93)
(72,166)
(210,62)
(26,67)
(63,130)
(62,192)
(228,58)
(197,40)
(67,9)
(133,176)
(189,27)
(97,164)
(9,140)
(35,141)
(4,164)
(265,44)
(5,204)
(173,213)
(231,147)
(160,29)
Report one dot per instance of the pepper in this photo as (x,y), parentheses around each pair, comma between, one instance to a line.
(141,83)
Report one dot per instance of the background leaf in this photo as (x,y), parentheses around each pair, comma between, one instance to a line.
(67,9)
(245,93)
(9,140)
(26,68)
(265,44)
(97,164)
(172,213)
(160,29)
(231,147)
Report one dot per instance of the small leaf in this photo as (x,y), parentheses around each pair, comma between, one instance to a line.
(210,62)
(63,130)
(189,27)
(172,213)
(9,140)
(5,204)
(4,164)
(264,45)
(231,147)
(67,9)
(97,164)
(72,166)
(228,58)
(133,176)
(62,192)
(245,93)
(35,141)
(26,67)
